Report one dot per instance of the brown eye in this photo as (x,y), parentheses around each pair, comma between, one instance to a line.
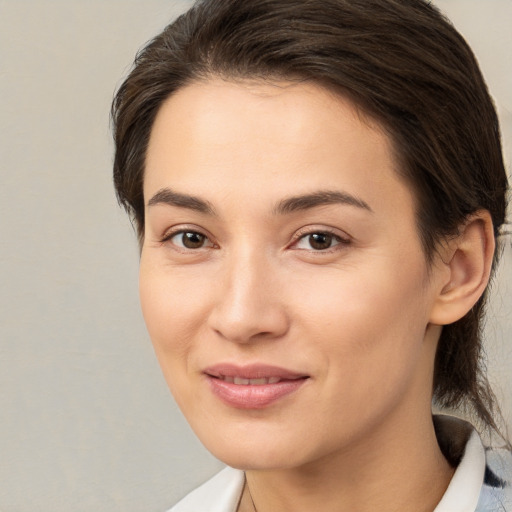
(189,240)
(320,241)
(192,240)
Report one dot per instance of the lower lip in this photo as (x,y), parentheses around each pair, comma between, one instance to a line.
(252,396)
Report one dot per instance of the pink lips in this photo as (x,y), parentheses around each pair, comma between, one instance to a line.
(254,386)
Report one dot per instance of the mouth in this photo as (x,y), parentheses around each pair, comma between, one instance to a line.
(254,386)
(242,381)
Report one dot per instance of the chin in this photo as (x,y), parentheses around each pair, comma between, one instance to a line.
(255,452)
(255,459)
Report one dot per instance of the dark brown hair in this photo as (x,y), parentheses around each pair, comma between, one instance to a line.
(402,63)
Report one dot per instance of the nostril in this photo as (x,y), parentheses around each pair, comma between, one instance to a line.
(245,314)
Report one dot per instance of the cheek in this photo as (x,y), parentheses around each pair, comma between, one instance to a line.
(372,298)
(170,311)
(368,343)
(367,323)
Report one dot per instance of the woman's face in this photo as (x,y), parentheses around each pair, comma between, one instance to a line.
(282,278)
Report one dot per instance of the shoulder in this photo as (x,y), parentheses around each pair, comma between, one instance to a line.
(219,494)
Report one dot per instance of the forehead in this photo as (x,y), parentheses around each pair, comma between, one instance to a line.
(261,138)
(290,108)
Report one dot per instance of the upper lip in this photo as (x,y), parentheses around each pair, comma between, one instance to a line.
(252,371)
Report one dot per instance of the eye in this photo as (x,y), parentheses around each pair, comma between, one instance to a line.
(189,240)
(319,241)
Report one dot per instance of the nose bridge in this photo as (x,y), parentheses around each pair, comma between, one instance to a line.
(248,302)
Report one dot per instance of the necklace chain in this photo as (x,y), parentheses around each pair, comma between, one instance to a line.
(250,495)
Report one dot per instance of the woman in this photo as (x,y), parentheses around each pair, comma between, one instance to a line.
(318,188)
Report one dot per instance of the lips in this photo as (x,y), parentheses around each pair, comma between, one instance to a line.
(253,386)
(241,381)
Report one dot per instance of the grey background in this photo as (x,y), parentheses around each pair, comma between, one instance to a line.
(86,421)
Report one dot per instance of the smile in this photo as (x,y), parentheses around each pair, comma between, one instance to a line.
(240,381)
(252,387)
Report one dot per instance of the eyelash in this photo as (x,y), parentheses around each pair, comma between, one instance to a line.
(305,233)
(168,236)
(301,235)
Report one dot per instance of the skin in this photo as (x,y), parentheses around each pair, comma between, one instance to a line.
(361,317)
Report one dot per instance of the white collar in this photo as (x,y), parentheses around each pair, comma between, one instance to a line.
(464,489)
(219,494)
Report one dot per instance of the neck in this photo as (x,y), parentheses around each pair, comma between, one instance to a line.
(390,470)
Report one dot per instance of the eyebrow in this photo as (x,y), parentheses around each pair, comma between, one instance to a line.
(168,196)
(283,207)
(320,198)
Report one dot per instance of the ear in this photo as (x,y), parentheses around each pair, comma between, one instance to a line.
(463,268)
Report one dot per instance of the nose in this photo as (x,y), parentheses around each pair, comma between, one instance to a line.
(248,304)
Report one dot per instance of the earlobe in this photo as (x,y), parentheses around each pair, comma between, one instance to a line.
(466,267)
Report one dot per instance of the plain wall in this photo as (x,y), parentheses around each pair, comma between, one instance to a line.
(86,420)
